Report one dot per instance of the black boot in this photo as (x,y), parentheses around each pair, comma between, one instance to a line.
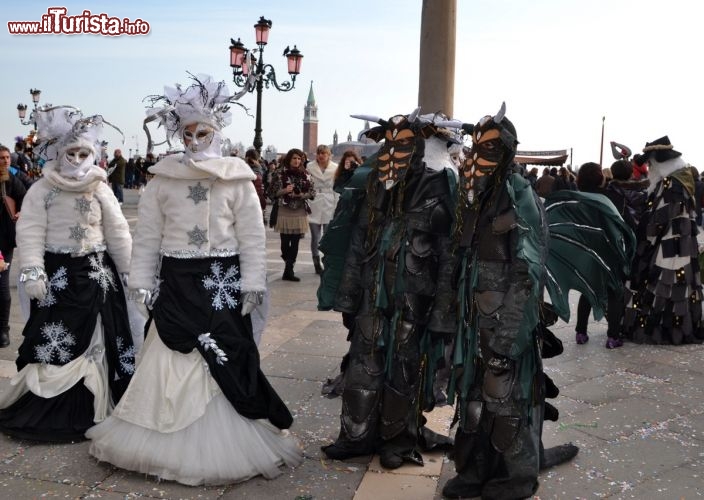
(288,273)
(316,264)
(4,337)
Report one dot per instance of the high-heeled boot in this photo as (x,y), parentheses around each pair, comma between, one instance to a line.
(288,273)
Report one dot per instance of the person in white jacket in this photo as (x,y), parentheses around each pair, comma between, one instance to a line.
(322,207)
(77,356)
(199,409)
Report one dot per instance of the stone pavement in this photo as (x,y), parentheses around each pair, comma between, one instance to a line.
(637,414)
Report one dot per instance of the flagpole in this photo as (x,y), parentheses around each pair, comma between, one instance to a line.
(601,149)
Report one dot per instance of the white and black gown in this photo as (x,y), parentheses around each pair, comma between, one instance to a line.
(77,353)
(199,410)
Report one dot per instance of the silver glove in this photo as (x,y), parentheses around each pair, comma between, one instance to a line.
(250,300)
(34,279)
(142,299)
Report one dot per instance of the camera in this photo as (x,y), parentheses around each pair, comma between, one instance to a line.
(354,164)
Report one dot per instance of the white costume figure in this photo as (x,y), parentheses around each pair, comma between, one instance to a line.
(199,409)
(77,355)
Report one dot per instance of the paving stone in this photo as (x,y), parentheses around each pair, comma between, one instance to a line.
(574,478)
(314,431)
(8,369)
(679,396)
(604,389)
(300,366)
(691,425)
(324,338)
(630,462)
(620,418)
(9,447)
(297,394)
(141,485)
(314,479)
(568,406)
(377,486)
(682,482)
(18,487)
(61,463)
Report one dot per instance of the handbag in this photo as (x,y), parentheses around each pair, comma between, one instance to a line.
(10,204)
(274,213)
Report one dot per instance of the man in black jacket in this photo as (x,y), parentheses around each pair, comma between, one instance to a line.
(14,191)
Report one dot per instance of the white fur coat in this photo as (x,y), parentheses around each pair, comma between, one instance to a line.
(79,217)
(207,208)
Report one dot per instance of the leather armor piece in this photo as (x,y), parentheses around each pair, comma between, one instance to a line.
(398,412)
(498,382)
(504,432)
(474,413)
(358,413)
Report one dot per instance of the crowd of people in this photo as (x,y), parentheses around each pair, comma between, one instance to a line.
(436,259)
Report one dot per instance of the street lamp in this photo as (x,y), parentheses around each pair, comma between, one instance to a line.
(250,73)
(22,109)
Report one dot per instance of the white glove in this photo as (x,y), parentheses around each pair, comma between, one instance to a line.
(250,300)
(36,289)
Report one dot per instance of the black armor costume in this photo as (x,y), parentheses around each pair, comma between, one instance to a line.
(397,284)
(500,381)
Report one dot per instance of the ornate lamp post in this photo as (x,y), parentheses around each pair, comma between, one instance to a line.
(249,71)
(22,109)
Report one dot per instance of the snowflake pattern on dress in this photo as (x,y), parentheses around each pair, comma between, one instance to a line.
(83,205)
(49,197)
(103,275)
(59,342)
(209,343)
(58,281)
(198,236)
(226,285)
(197,193)
(78,233)
(126,356)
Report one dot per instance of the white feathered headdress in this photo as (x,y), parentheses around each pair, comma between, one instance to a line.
(204,101)
(62,127)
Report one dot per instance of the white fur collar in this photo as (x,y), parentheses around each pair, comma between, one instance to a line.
(226,168)
(658,171)
(89,183)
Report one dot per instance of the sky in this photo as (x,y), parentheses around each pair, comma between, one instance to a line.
(563,67)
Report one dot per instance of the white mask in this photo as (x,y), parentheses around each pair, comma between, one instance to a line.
(199,139)
(201,142)
(78,155)
(76,163)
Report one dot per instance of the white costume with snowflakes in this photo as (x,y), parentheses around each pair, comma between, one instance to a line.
(75,230)
(73,216)
(199,209)
(174,421)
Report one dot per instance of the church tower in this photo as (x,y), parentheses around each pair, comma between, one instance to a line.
(310,125)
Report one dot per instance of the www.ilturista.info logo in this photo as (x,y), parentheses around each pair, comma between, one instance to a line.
(56,22)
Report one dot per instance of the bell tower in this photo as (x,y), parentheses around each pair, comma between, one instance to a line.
(310,125)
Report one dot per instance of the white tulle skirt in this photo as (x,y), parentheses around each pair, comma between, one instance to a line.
(174,423)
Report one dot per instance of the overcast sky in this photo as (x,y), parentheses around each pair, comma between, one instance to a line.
(560,65)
